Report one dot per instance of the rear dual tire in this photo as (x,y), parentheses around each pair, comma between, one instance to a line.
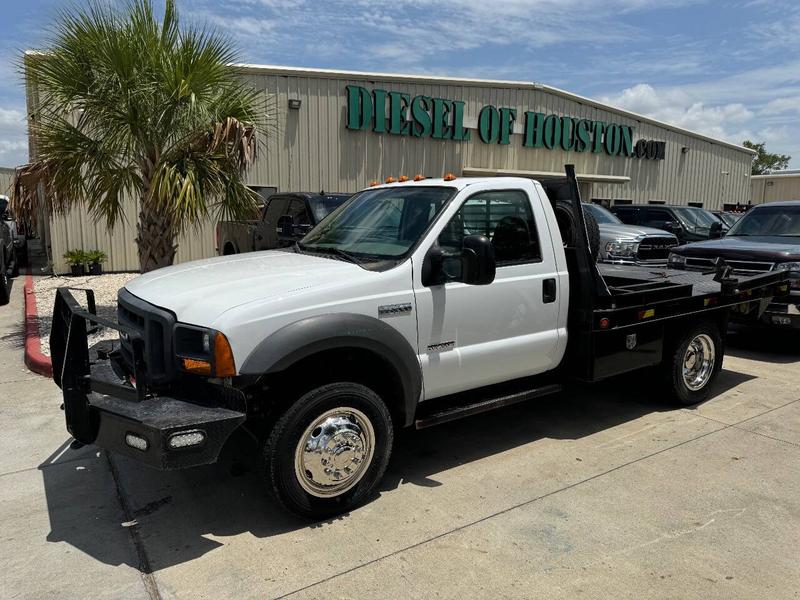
(328,452)
(693,364)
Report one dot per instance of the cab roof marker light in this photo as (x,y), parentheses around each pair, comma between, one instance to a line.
(419,177)
(449,177)
(374,182)
(390,179)
(402,178)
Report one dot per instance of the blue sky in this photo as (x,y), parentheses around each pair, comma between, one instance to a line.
(727,69)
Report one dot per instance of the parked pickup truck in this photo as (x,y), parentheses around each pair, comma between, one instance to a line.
(285,219)
(9,263)
(630,244)
(765,239)
(413,304)
(17,232)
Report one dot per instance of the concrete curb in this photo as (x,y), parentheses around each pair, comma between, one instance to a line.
(34,359)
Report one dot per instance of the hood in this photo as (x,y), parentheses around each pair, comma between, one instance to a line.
(772,248)
(608,230)
(198,292)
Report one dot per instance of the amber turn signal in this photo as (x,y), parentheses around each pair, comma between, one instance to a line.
(198,367)
(223,357)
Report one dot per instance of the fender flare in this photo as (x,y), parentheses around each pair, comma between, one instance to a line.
(309,336)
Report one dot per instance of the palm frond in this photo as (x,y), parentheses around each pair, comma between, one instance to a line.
(133,106)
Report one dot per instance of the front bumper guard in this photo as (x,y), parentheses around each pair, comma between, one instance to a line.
(103,408)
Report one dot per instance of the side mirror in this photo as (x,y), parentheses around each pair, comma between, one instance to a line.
(474,265)
(715,231)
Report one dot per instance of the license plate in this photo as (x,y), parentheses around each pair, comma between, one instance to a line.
(781,320)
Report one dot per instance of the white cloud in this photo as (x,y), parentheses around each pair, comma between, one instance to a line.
(679,108)
(13,139)
(781,106)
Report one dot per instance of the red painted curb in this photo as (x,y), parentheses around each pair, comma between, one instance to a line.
(34,359)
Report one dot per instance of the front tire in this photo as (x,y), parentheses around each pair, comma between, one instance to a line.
(328,452)
(694,363)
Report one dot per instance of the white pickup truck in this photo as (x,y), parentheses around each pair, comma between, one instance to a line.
(414,303)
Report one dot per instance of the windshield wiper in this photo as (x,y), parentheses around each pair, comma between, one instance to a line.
(332,250)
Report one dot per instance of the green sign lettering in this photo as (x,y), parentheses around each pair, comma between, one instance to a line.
(443,119)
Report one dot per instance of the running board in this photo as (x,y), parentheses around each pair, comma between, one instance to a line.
(458,412)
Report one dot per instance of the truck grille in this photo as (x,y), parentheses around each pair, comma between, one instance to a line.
(656,248)
(155,326)
(740,267)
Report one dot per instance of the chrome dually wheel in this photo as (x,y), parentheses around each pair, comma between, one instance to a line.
(328,451)
(334,452)
(698,362)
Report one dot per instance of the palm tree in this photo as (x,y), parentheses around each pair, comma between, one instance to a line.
(133,107)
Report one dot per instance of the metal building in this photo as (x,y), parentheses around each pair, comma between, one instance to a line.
(777,186)
(6,179)
(337,131)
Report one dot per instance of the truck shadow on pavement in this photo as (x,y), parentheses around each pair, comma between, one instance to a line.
(179,516)
(769,345)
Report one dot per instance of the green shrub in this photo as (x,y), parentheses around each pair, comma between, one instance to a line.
(76,257)
(96,256)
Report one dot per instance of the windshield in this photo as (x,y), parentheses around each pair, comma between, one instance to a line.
(769,220)
(729,218)
(601,215)
(322,206)
(384,223)
(695,217)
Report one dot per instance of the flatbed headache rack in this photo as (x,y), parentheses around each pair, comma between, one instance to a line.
(617,314)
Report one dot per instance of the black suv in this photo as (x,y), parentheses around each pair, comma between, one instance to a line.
(687,223)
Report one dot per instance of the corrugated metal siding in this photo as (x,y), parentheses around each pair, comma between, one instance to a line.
(310,149)
(6,179)
(774,189)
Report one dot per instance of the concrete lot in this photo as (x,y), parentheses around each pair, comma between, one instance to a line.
(596,493)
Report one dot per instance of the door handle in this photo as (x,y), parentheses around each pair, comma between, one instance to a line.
(549,290)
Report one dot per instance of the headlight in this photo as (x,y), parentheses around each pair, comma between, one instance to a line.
(788,266)
(676,260)
(622,248)
(794,270)
(203,351)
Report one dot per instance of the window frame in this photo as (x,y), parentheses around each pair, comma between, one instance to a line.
(533,217)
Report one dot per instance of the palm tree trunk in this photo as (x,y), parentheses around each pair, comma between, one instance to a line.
(156,239)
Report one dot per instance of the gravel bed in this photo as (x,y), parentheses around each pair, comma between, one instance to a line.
(105,294)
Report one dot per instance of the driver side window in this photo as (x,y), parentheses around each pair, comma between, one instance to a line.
(505,217)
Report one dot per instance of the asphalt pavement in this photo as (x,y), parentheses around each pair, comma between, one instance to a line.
(598,492)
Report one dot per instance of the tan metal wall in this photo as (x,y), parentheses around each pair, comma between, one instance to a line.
(310,149)
(6,178)
(774,188)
